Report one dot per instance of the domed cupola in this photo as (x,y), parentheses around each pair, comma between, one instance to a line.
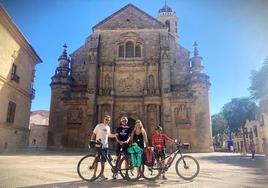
(168,17)
(62,73)
(165,8)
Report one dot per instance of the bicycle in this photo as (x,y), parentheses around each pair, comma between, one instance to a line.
(187,167)
(91,162)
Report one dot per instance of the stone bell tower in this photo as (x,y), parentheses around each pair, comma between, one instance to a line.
(60,84)
(168,17)
(200,84)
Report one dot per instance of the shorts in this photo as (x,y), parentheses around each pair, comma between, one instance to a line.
(124,148)
(104,152)
(160,154)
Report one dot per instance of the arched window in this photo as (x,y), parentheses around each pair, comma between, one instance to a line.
(137,51)
(168,25)
(176,27)
(121,51)
(129,49)
(107,82)
(151,82)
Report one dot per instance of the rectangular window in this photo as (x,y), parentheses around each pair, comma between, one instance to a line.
(255,131)
(121,51)
(14,70)
(14,75)
(11,112)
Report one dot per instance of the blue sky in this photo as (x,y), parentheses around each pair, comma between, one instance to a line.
(232,36)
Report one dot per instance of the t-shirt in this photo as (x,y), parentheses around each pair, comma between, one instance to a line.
(138,138)
(123,133)
(159,141)
(102,132)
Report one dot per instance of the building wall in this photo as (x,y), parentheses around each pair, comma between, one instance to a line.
(38,129)
(39,119)
(104,83)
(38,133)
(253,131)
(15,50)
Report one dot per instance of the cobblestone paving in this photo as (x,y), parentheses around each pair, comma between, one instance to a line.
(58,170)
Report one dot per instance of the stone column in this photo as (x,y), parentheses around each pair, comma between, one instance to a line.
(165,81)
(200,84)
(145,117)
(113,96)
(146,78)
(92,45)
(99,113)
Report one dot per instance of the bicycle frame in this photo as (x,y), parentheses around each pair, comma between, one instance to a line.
(100,154)
(176,152)
(151,172)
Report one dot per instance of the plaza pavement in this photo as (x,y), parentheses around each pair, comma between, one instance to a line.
(58,170)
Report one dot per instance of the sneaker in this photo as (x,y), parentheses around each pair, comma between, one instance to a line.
(102,177)
(114,176)
(93,177)
(164,177)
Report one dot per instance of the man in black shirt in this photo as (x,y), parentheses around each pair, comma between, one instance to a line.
(122,138)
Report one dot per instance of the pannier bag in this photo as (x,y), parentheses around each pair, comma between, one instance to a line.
(148,156)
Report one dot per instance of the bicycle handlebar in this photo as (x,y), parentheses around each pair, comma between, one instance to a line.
(92,143)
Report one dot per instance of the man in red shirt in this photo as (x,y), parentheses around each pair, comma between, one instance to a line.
(158,141)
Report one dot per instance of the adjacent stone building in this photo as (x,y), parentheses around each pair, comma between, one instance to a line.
(253,131)
(17,68)
(131,65)
(38,129)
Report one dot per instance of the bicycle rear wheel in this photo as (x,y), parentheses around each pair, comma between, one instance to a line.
(86,165)
(187,167)
(127,171)
(151,172)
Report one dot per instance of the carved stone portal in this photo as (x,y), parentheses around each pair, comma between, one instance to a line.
(130,83)
(75,116)
(182,114)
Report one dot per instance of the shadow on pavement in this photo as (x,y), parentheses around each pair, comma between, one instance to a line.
(259,164)
(111,183)
(46,153)
(50,152)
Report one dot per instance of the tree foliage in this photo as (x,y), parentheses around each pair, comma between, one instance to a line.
(219,124)
(259,86)
(259,82)
(238,111)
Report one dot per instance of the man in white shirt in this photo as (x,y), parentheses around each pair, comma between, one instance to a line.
(102,132)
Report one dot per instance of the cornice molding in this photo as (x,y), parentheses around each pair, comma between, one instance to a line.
(11,27)
(120,30)
(24,92)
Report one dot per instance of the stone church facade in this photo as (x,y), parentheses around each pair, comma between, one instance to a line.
(131,65)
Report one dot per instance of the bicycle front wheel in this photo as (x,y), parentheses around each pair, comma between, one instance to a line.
(88,165)
(187,167)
